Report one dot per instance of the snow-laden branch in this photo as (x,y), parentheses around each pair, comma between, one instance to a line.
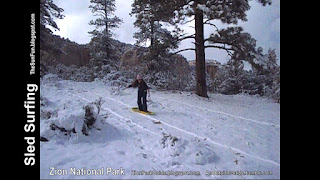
(207,22)
(192,36)
(188,49)
(183,23)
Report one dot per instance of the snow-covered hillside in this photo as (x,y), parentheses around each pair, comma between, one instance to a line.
(215,137)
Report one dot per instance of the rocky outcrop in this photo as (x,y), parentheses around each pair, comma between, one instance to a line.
(72,61)
(212,67)
(72,54)
(133,57)
(58,50)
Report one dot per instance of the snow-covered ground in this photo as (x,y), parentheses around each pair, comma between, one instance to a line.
(215,137)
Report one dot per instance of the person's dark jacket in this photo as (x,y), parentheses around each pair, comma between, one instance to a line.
(142,86)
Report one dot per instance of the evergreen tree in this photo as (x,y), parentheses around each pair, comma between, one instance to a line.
(234,76)
(149,17)
(264,80)
(106,21)
(48,11)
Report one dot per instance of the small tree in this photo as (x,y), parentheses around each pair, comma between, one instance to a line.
(102,34)
(233,77)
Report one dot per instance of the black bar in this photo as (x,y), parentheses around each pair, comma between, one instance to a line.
(29,89)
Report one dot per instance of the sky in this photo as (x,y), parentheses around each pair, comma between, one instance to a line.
(263,24)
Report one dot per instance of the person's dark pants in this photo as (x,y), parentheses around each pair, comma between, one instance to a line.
(142,100)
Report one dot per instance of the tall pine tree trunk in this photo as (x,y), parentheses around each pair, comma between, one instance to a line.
(152,40)
(152,33)
(200,53)
(107,29)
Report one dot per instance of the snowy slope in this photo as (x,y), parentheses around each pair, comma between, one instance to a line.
(223,134)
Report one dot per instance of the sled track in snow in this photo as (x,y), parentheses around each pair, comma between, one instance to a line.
(223,113)
(124,123)
(190,133)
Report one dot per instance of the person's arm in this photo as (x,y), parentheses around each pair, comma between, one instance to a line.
(148,89)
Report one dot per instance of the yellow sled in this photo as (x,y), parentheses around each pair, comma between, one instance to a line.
(135,109)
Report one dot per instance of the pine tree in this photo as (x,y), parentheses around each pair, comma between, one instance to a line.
(238,44)
(49,11)
(232,82)
(106,21)
(149,17)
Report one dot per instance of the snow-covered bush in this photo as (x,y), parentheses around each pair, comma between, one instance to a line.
(89,119)
(177,151)
(172,149)
(50,78)
(74,73)
(98,103)
(264,80)
(48,113)
(71,120)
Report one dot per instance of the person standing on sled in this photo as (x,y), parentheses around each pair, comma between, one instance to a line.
(143,90)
